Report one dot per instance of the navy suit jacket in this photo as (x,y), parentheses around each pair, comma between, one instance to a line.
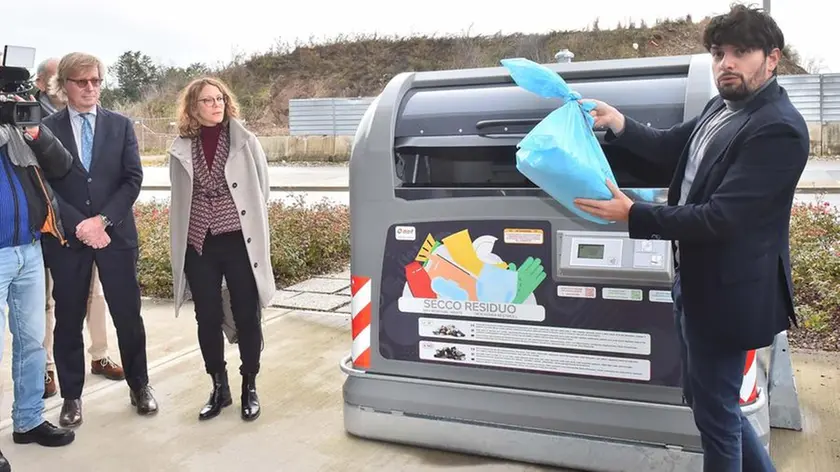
(110,187)
(733,230)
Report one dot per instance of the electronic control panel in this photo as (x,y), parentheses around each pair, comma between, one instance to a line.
(613,256)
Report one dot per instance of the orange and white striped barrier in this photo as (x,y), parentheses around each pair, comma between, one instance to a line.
(749,386)
(360,301)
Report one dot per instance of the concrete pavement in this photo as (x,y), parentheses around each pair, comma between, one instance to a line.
(819,174)
(301,428)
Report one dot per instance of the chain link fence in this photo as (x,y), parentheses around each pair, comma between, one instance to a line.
(155,135)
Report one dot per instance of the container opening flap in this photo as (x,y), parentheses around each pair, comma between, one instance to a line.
(494,166)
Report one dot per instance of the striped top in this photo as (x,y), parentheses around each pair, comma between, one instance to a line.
(212,207)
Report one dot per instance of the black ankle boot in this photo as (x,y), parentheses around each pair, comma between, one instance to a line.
(250,400)
(219,399)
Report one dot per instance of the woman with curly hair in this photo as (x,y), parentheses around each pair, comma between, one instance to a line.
(219,230)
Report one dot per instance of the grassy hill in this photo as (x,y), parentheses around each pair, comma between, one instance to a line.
(361,66)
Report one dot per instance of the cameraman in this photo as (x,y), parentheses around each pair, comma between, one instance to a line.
(27,211)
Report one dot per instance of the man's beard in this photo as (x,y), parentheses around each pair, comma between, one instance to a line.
(734,92)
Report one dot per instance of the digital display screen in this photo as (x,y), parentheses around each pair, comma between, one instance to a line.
(590,251)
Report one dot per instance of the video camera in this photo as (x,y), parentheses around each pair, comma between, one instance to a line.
(15,81)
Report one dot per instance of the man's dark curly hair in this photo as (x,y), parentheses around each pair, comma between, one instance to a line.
(744,27)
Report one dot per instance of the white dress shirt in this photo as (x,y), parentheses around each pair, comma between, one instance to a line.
(76,123)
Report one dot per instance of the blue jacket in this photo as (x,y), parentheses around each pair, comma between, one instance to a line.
(733,231)
(14,214)
(53,161)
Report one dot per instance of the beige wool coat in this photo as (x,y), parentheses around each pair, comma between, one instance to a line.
(247,168)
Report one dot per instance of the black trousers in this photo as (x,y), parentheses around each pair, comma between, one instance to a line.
(71,270)
(225,255)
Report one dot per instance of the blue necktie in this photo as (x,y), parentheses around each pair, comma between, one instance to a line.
(87,140)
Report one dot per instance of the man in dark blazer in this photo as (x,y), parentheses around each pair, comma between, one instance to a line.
(96,200)
(736,168)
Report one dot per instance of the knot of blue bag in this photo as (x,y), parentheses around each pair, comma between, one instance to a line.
(561,154)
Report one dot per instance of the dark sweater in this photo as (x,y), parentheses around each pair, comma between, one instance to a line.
(209,142)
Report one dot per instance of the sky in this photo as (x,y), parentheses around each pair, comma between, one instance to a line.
(180,32)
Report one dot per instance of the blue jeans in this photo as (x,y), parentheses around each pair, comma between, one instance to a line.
(22,290)
(711,381)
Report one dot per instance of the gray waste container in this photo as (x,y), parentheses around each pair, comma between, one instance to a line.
(486,317)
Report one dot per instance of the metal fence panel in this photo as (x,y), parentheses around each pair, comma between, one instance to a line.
(831,98)
(804,93)
(326,116)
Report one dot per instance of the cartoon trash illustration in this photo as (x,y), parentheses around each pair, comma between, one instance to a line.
(461,249)
(530,275)
(458,268)
(418,281)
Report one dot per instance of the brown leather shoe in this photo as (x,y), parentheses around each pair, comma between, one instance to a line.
(108,369)
(49,385)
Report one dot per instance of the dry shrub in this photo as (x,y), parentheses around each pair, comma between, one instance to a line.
(154,269)
(815,263)
(306,240)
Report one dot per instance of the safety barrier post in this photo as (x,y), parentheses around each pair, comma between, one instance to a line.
(360,306)
(781,383)
(749,386)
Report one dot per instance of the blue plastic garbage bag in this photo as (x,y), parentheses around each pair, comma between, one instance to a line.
(561,155)
(646,195)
